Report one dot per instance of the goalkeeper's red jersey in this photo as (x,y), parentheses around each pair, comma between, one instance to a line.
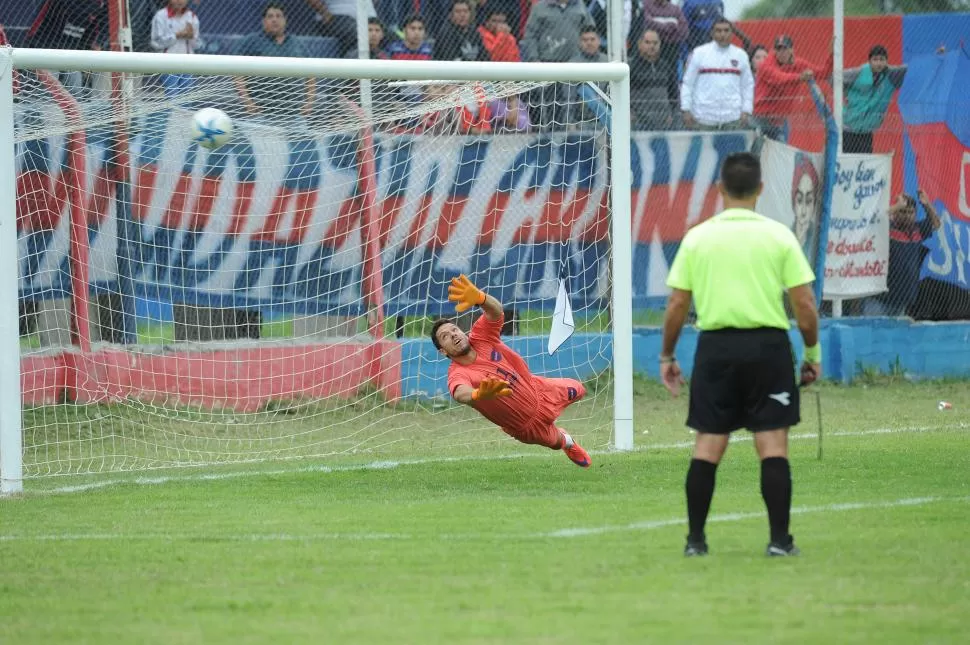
(534,400)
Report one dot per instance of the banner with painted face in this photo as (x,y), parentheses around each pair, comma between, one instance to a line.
(793,192)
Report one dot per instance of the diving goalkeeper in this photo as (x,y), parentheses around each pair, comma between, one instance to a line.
(490,377)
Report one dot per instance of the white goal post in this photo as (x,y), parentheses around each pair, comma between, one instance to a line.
(26,61)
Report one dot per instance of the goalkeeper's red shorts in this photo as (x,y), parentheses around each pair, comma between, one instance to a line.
(557,395)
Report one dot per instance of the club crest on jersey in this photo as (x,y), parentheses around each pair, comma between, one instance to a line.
(496,356)
(734,62)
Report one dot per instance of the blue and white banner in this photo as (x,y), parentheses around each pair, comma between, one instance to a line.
(267,220)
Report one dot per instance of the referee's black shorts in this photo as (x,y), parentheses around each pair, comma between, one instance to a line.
(743,378)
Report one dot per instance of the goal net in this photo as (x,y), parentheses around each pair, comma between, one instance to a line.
(272,298)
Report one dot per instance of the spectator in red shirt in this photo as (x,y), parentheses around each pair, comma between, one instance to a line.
(498,39)
(778,94)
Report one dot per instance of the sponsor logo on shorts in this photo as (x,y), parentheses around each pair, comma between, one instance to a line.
(782,397)
(572,393)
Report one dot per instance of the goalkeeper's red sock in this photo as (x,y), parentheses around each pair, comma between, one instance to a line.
(566,441)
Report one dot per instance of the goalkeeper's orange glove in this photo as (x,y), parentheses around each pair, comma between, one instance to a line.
(491,388)
(465,294)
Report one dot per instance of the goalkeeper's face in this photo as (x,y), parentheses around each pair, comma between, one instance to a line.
(453,341)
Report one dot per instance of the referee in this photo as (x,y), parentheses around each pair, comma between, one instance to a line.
(737,266)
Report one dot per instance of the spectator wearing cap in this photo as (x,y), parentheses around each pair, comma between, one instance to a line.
(666,18)
(869,90)
(717,92)
(778,90)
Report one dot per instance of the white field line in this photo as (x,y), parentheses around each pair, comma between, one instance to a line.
(147,480)
(649,525)
(736,517)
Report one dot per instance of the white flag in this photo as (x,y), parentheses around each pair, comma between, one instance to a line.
(562,319)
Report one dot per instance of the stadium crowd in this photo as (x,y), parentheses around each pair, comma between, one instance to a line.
(690,67)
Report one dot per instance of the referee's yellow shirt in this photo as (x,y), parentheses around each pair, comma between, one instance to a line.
(737,265)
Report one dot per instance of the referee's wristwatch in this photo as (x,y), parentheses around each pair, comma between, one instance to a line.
(667,359)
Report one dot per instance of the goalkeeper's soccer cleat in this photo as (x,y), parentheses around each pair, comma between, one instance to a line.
(782,549)
(578,456)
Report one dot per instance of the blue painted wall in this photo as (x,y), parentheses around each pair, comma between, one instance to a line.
(925,350)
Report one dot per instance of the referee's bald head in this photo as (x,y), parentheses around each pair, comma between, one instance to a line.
(741,176)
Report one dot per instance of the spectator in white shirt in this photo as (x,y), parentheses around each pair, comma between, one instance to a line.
(717,92)
(175,30)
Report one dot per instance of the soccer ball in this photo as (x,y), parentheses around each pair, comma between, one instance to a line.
(211,128)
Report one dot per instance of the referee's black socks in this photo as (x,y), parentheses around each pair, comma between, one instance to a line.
(776,491)
(700,490)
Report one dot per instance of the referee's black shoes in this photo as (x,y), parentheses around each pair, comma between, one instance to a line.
(775,549)
(695,548)
(782,549)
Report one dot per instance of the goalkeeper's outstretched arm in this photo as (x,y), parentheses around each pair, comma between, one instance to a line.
(492,308)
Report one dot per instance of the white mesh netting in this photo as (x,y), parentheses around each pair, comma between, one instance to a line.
(272,298)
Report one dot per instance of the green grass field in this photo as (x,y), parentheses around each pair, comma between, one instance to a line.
(512,544)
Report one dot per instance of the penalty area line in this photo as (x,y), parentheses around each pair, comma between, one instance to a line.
(737,517)
(155,480)
(649,525)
